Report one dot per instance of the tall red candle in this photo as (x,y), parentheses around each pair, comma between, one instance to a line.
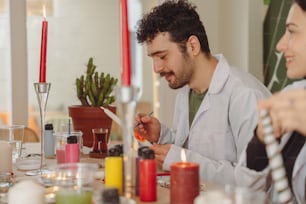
(184,182)
(125,45)
(43,50)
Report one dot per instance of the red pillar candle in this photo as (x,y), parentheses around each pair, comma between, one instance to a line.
(125,45)
(184,182)
(43,50)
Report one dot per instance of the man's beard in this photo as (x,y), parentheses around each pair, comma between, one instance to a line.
(179,81)
(183,75)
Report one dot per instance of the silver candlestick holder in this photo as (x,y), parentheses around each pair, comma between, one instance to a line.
(126,98)
(42,92)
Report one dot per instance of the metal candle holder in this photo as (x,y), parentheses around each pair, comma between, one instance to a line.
(42,92)
(126,97)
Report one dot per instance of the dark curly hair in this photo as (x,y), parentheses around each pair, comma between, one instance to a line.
(301,3)
(177,17)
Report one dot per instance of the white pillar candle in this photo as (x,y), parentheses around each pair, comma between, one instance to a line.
(26,192)
(5,157)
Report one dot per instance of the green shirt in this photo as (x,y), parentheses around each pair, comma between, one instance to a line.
(195,101)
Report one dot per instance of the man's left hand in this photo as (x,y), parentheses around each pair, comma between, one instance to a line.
(161,152)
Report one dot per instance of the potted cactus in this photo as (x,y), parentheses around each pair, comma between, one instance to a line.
(93,90)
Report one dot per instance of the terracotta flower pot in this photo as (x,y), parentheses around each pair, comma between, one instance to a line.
(85,118)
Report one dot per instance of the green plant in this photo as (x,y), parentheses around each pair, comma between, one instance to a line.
(94,89)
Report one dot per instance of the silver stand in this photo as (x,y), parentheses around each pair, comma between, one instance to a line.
(42,92)
(126,98)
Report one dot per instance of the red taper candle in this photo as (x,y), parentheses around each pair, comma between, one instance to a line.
(125,45)
(43,50)
(184,182)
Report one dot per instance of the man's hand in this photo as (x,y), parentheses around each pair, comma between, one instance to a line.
(161,152)
(148,127)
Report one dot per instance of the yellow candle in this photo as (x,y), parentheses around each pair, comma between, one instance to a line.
(114,172)
(6,157)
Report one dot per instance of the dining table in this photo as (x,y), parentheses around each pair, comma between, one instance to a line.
(163,181)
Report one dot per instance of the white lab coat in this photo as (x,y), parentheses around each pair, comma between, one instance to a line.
(222,126)
(259,181)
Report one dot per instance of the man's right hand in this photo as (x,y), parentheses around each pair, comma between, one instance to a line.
(148,128)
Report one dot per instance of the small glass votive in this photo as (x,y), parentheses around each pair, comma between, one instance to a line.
(74,182)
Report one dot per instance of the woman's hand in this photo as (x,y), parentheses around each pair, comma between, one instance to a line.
(287,111)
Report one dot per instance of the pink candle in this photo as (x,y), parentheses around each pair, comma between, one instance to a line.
(43,49)
(125,45)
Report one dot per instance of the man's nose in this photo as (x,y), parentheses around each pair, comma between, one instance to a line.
(157,66)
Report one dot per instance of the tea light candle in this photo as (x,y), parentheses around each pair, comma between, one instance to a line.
(184,181)
(26,192)
(6,157)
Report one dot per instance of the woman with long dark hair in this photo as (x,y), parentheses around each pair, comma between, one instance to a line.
(287,112)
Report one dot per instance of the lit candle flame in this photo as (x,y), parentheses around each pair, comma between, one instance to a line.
(183,156)
(44,11)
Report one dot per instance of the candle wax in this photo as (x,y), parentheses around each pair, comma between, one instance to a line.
(184,182)
(125,45)
(43,52)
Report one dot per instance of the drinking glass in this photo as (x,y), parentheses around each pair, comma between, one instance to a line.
(6,176)
(100,140)
(6,181)
(14,135)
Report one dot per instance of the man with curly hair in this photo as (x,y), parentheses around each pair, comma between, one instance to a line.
(215,110)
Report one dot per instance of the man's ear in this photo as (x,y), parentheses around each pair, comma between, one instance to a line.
(193,45)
